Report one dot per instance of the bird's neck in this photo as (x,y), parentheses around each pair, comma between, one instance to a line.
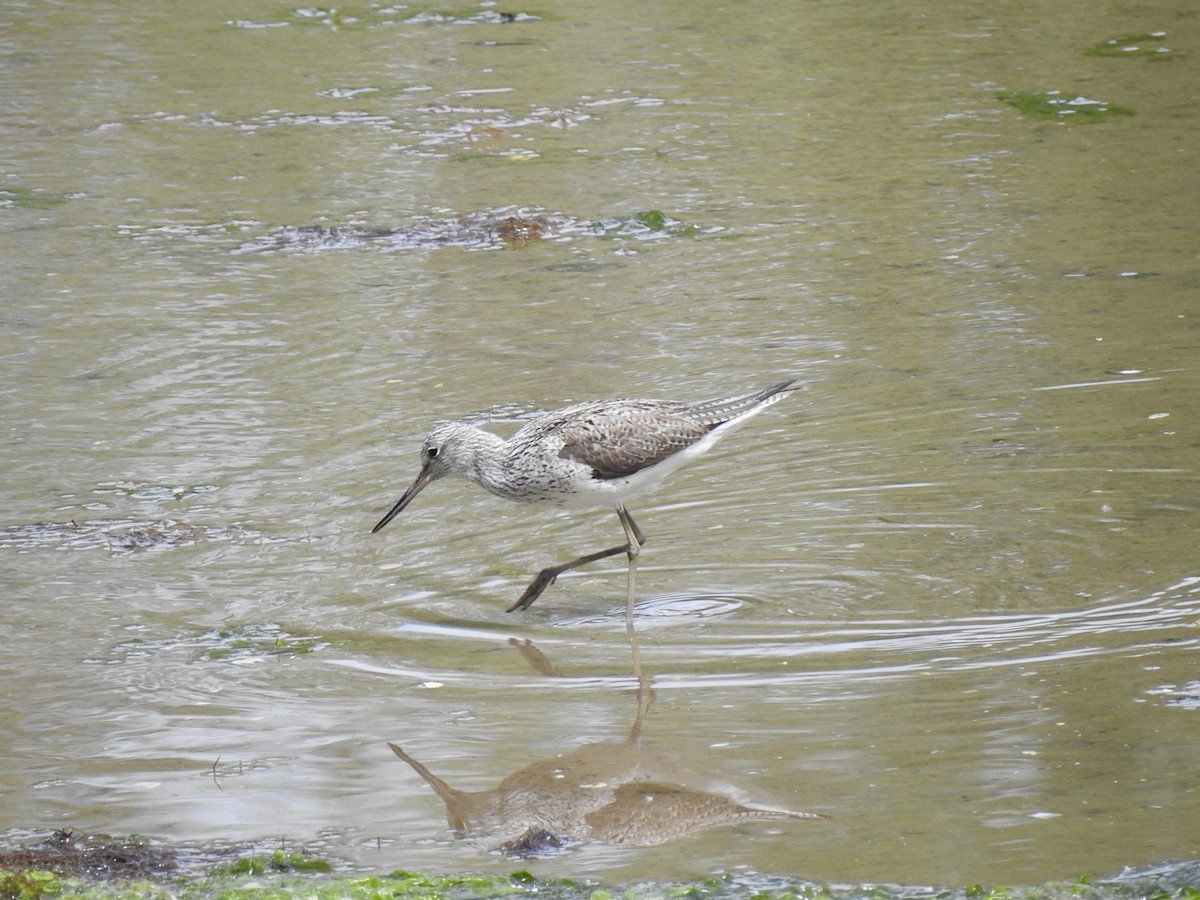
(483,461)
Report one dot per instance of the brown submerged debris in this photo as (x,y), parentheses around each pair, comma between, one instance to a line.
(488,134)
(117,535)
(479,231)
(95,856)
(518,231)
(495,229)
(611,793)
(534,842)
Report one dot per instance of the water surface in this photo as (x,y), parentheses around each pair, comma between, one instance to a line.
(946,596)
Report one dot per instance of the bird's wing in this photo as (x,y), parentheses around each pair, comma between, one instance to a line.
(616,442)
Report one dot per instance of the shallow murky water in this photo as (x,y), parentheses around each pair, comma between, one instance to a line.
(947,596)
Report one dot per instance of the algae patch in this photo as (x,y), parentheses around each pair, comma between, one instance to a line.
(18,197)
(1147,46)
(1062,107)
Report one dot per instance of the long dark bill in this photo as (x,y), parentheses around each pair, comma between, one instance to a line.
(414,489)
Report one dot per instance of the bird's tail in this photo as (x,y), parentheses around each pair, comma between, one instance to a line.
(725,409)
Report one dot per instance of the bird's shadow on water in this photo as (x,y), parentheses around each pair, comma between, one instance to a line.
(613,792)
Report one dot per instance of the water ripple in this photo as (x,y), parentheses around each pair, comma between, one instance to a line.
(867,651)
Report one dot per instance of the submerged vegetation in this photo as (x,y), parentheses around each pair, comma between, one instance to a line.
(98,867)
(1062,106)
(1134,46)
(506,228)
(20,197)
(400,885)
(117,535)
(374,14)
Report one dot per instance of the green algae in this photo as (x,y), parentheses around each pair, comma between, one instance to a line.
(18,197)
(1146,46)
(1062,107)
(256,641)
(264,881)
(279,861)
(28,884)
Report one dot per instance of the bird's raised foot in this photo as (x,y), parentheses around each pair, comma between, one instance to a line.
(544,579)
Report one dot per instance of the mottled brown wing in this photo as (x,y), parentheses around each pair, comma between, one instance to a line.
(616,443)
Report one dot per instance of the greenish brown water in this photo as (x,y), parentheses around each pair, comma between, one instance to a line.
(946,596)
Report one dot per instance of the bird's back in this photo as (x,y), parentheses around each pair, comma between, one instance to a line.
(609,440)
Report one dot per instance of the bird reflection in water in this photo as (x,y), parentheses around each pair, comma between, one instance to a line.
(612,793)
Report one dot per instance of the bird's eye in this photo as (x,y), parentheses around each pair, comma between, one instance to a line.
(433,452)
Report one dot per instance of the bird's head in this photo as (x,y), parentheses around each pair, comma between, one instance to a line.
(448,450)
